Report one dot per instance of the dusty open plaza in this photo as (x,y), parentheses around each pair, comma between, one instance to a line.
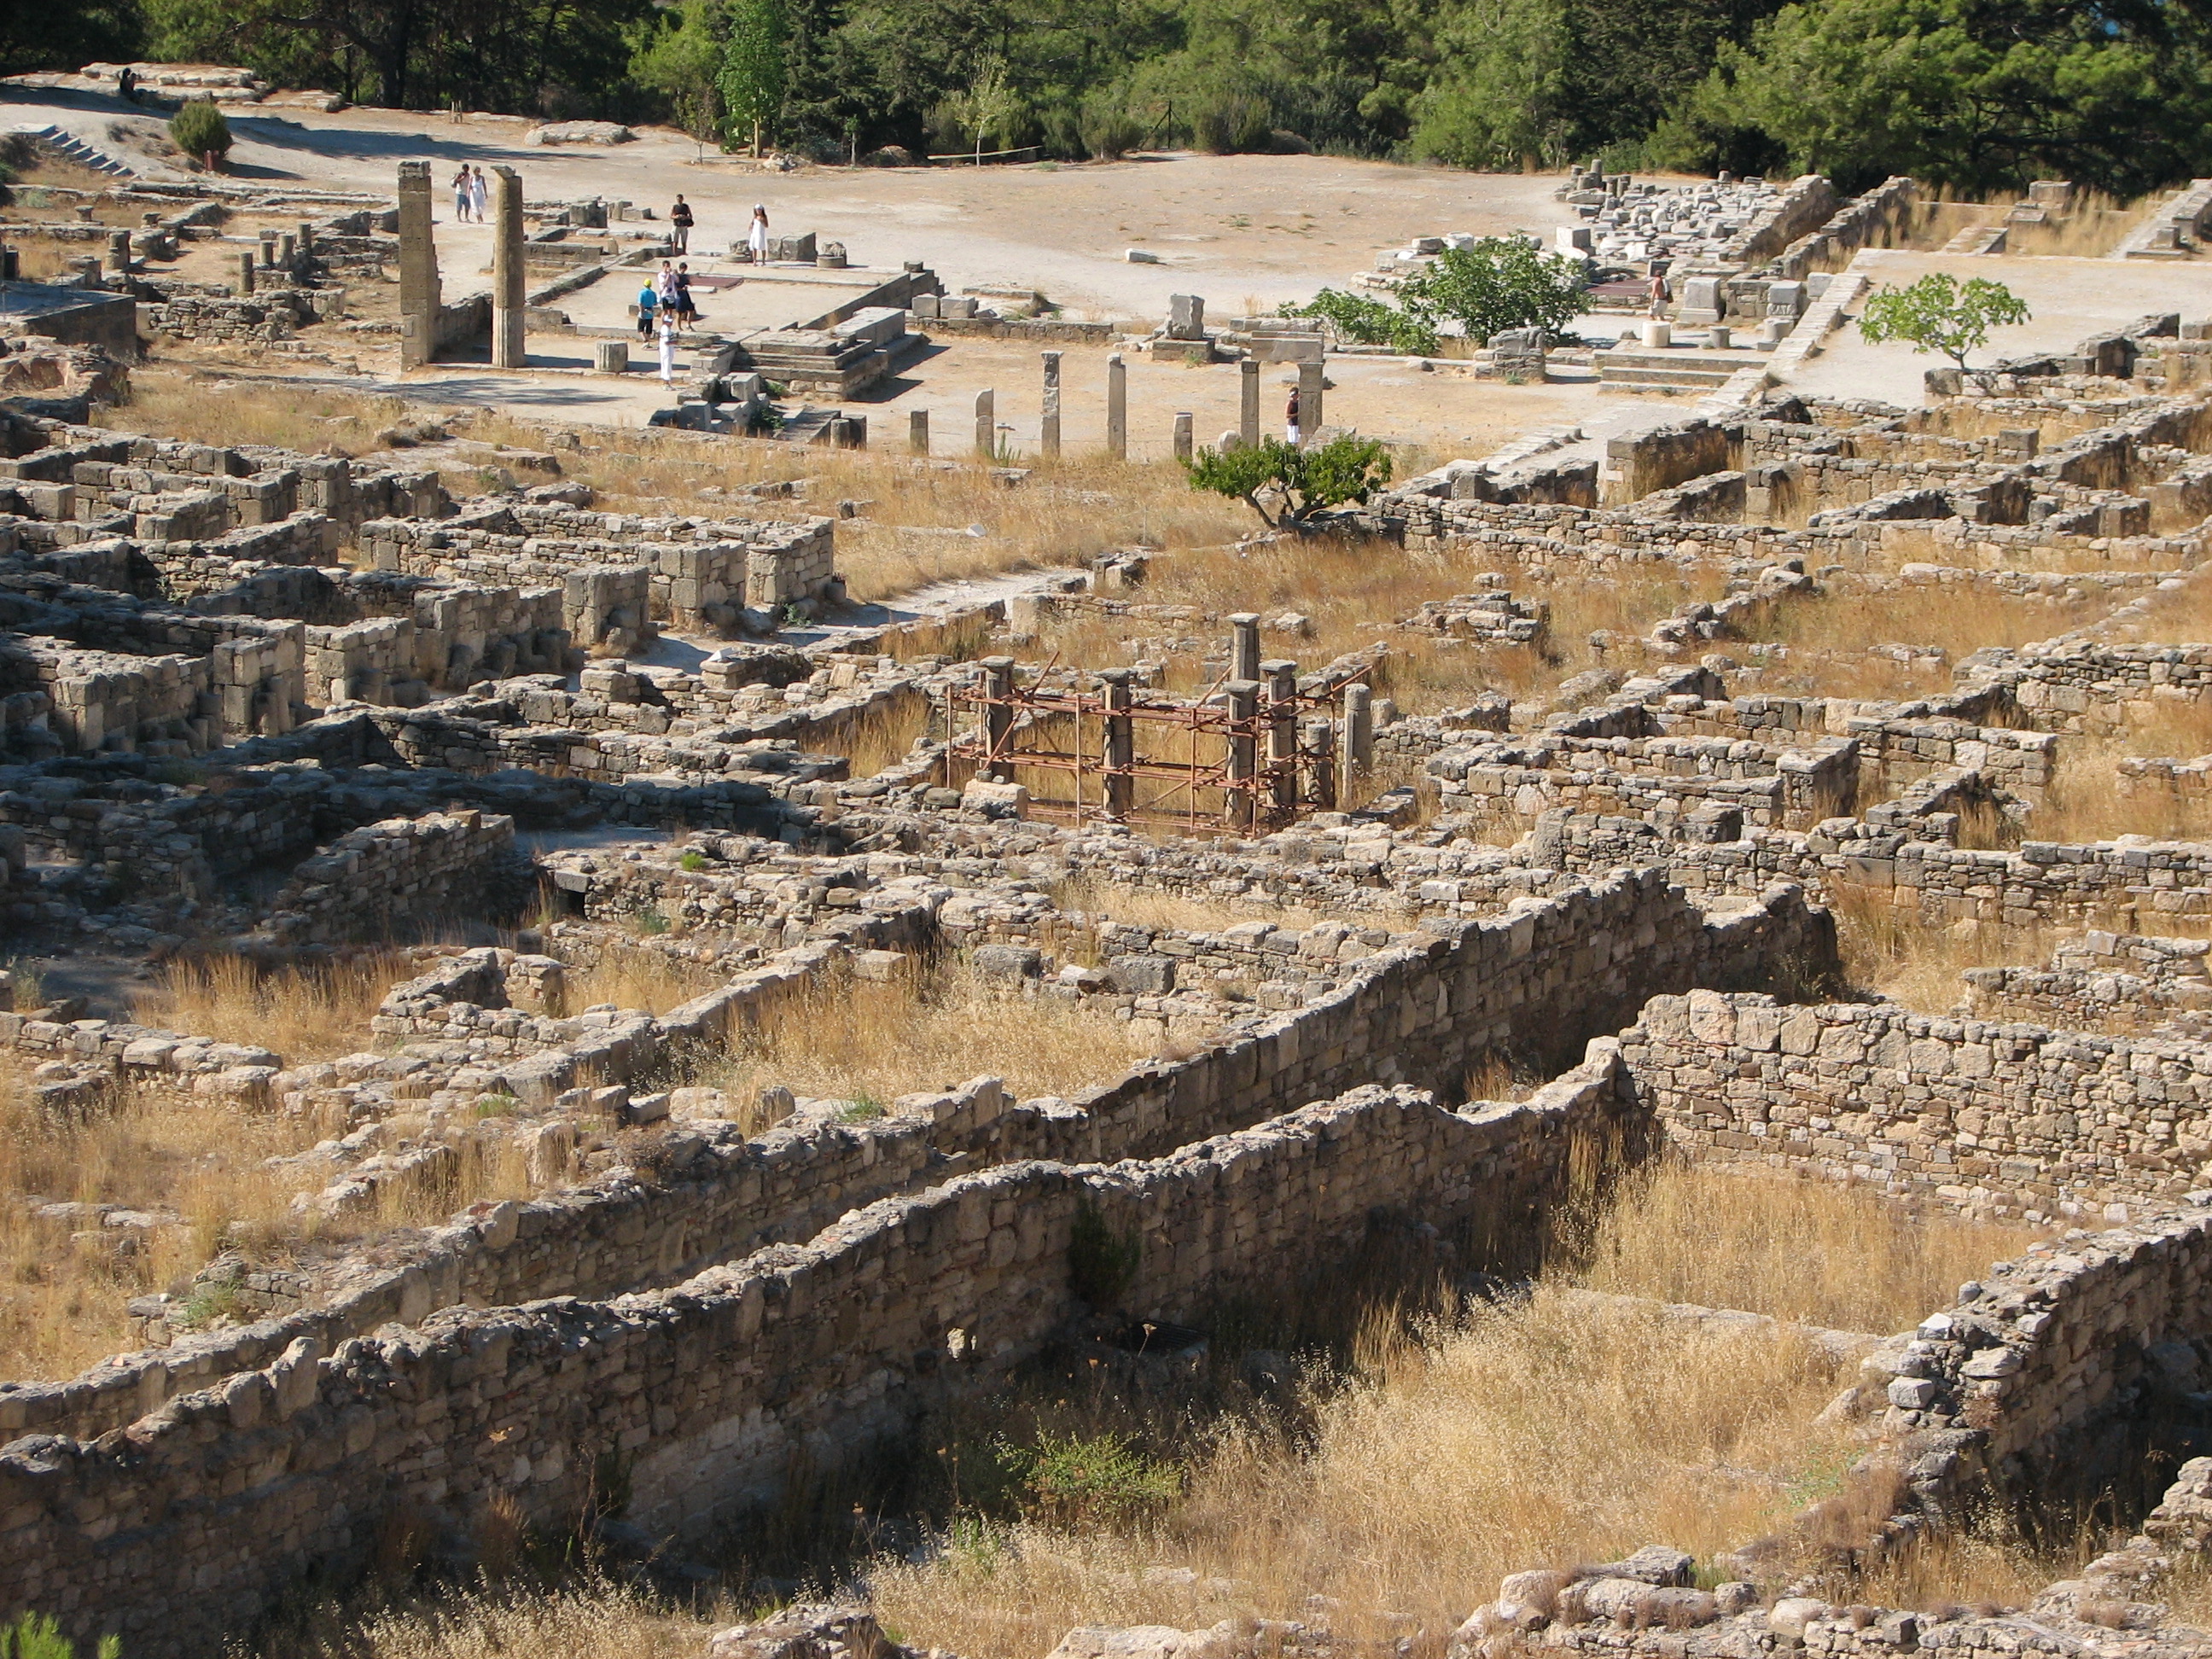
(807,1006)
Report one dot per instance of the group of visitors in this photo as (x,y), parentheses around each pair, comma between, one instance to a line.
(472,194)
(665,305)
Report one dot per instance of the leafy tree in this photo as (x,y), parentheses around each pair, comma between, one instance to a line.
(683,64)
(753,77)
(1497,283)
(1370,321)
(45,34)
(1301,482)
(1938,314)
(200,128)
(1981,94)
(987,104)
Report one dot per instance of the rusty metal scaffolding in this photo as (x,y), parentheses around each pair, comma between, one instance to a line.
(1276,750)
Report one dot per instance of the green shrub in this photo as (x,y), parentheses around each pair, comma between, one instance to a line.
(693,861)
(1302,482)
(200,128)
(1497,283)
(1101,1479)
(1370,321)
(36,1636)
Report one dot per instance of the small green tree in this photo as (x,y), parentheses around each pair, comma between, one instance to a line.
(36,1636)
(1497,283)
(1370,321)
(754,67)
(200,129)
(1940,313)
(1301,482)
(684,63)
(989,105)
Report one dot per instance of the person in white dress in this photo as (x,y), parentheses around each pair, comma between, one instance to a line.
(756,237)
(479,192)
(667,326)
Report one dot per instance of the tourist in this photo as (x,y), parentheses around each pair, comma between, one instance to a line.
(756,237)
(127,83)
(663,284)
(479,192)
(1658,295)
(667,326)
(649,301)
(679,219)
(687,314)
(1290,419)
(461,194)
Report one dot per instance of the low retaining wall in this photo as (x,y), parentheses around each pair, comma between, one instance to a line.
(699,1401)
(1975,1115)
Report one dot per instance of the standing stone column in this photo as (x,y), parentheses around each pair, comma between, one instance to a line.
(1247,420)
(1121,744)
(506,284)
(1182,422)
(987,426)
(306,244)
(1321,757)
(246,275)
(1279,682)
(998,714)
(119,252)
(1358,732)
(1049,428)
(917,431)
(269,250)
(1310,380)
(1245,645)
(418,268)
(1243,746)
(1117,408)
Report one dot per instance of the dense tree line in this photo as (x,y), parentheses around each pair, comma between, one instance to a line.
(1975,94)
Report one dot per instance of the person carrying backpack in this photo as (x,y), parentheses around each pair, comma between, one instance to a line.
(649,301)
(679,220)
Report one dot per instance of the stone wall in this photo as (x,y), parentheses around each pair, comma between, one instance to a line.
(2016,1120)
(698,1399)
(384,877)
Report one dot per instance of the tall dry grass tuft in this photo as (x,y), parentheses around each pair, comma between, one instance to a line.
(883,736)
(1547,1432)
(638,976)
(593,1615)
(870,1042)
(2084,803)
(304,1011)
(1815,1253)
(1889,952)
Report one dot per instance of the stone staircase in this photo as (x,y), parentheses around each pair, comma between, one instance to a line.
(841,361)
(60,143)
(1636,368)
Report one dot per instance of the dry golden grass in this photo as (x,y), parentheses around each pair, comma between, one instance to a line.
(1839,627)
(1892,953)
(591,1615)
(2084,803)
(1550,1432)
(869,1041)
(638,976)
(1353,595)
(303,1013)
(1815,1253)
(882,737)
(172,405)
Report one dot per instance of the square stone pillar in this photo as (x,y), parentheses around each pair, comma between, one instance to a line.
(1049,426)
(1310,382)
(1247,418)
(917,431)
(507,283)
(1242,766)
(418,268)
(1117,408)
(1182,444)
(986,425)
(1245,645)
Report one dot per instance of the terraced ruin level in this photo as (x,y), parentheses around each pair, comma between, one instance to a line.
(608,1032)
